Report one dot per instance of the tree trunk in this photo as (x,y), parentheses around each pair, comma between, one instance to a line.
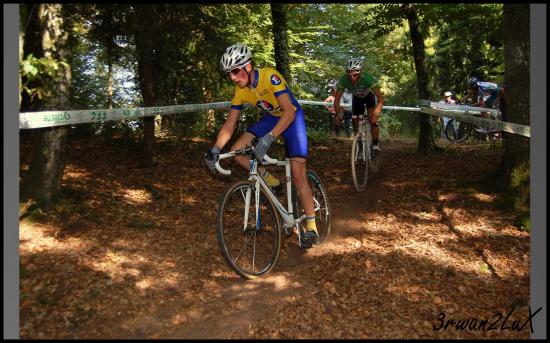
(31,36)
(110,85)
(280,40)
(146,66)
(426,143)
(43,180)
(23,10)
(512,176)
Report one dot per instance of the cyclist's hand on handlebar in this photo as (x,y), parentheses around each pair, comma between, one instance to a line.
(263,145)
(211,157)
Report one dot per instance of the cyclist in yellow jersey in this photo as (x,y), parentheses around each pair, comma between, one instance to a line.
(266,88)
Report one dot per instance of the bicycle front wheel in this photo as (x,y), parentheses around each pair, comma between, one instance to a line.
(249,242)
(359,163)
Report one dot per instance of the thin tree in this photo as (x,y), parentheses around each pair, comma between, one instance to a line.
(145,48)
(280,39)
(426,142)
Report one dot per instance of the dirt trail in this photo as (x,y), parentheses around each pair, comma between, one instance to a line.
(132,253)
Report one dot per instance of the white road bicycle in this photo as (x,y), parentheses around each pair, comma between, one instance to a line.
(363,157)
(251,218)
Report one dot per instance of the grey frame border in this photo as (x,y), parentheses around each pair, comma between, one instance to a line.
(538,167)
(11,172)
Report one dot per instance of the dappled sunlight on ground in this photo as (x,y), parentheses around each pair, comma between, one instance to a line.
(35,238)
(73,172)
(484,197)
(137,196)
(132,253)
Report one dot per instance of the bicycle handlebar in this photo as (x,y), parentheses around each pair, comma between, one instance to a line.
(243,151)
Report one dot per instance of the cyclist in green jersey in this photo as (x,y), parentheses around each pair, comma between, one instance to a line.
(366,94)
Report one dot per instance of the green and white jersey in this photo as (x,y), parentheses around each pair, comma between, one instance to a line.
(363,86)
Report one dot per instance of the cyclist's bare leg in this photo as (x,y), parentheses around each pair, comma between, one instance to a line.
(373,119)
(298,170)
(244,160)
(243,141)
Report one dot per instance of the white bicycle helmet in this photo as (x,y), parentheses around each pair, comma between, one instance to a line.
(332,84)
(354,64)
(236,56)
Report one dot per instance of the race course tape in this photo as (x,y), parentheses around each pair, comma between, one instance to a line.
(35,120)
(464,113)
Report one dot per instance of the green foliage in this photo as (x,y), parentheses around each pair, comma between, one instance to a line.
(461,39)
(468,40)
(517,197)
(390,125)
(520,194)
(34,72)
(316,135)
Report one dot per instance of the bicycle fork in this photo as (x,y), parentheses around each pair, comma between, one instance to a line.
(363,151)
(248,196)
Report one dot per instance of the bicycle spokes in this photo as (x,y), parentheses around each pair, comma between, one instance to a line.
(248,230)
(359,161)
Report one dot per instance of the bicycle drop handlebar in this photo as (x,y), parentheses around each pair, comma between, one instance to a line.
(248,150)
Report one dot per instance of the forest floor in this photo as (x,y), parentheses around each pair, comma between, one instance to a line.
(130,252)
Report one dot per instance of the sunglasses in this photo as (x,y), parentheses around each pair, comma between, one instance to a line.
(234,71)
(353,75)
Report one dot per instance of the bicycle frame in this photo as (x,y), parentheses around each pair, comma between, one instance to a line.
(364,130)
(287,214)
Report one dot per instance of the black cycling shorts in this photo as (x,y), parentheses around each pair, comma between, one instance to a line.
(359,104)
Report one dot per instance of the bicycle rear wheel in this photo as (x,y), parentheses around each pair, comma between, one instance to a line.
(320,203)
(250,245)
(457,131)
(359,165)
(374,156)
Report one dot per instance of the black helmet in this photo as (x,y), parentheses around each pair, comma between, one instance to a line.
(472,81)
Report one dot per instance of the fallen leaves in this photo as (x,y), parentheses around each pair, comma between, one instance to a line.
(145,262)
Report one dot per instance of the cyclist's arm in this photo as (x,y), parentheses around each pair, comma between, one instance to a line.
(380,101)
(288,114)
(337,98)
(228,128)
(472,97)
(480,103)
(329,99)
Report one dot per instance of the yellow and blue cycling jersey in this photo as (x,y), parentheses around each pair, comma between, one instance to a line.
(268,84)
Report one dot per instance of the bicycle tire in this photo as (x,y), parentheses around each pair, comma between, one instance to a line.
(374,157)
(359,168)
(230,226)
(462,131)
(320,198)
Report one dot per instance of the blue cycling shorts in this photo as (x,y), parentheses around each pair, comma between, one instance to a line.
(295,135)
